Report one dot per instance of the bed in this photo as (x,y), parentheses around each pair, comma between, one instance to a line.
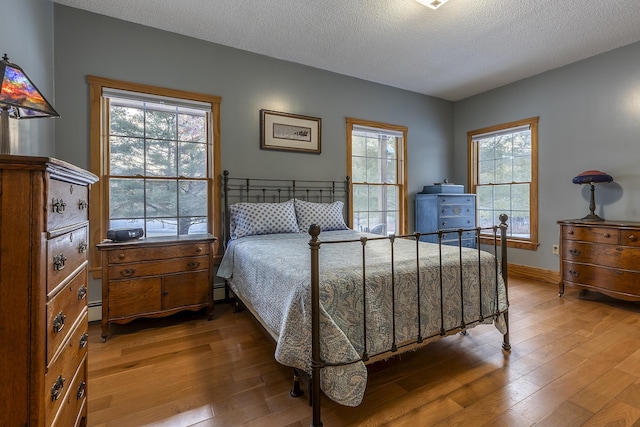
(335,299)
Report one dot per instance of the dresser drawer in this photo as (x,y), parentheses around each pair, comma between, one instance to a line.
(63,311)
(624,257)
(74,407)
(452,200)
(169,266)
(456,222)
(67,204)
(65,253)
(150,253)
(60,374)
(630,237)
(591,234)
(621,281)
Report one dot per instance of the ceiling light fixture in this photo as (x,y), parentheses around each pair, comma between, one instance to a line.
(433,4)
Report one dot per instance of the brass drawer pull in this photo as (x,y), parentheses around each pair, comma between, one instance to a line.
(193,264)
(82,390)
(574,273)
(56,389)
(83,204)
(58,262)
(121,256)
(58,322)
(58,205)
(575,252)
(632,238)
(569,231)
(82,292)
(607,235)
(128,272)
(199,249)
(82,247)
(84,339)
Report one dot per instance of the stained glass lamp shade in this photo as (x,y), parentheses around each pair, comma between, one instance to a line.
(592,177)
(19,99)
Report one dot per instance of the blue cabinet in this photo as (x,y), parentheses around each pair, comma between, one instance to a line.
(446,212)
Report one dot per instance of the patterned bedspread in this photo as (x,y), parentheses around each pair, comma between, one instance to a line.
(271,274)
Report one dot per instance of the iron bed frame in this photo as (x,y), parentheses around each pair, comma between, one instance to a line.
(323,191)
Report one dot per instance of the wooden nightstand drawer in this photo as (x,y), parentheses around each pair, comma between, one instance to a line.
(65,253)
(130,271)
(182,290)
(68,204)
(63,311)
(603,278)
(133,254)
(591,234)
(606,255)
(630,237)
(128,298)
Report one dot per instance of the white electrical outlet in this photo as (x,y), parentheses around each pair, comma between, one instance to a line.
(556,249)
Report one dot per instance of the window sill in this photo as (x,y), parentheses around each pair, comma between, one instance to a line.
(512,243)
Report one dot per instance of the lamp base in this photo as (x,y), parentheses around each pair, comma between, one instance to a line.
(592,217)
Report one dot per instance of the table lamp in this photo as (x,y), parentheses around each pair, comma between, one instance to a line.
(592,177)
(19,99)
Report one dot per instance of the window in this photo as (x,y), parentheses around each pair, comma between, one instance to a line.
(376,154)
(503,165)
(155,151)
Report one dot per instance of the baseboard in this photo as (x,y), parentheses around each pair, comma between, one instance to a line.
(534,273)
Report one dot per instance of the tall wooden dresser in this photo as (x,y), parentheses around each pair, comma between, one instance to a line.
(446,211)
(44,233)
(601,256)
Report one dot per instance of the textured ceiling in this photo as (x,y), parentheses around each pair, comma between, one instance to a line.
(464,48)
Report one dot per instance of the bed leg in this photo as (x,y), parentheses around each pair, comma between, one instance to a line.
(296,391)
(506,345)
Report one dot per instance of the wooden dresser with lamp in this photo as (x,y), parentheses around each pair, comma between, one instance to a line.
(44,229)
(601,256)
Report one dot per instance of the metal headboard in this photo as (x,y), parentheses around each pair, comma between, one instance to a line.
(261,190)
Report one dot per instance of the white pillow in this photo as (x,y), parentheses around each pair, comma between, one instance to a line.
(248,219)
(327,215)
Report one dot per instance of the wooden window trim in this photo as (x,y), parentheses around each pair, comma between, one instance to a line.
(402,166)
(98,216)
(472,168)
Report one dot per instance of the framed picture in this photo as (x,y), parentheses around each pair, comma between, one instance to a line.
(290,132)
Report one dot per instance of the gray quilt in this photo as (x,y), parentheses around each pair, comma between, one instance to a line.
(271,274)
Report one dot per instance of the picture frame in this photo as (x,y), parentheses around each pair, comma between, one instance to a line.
(290,132)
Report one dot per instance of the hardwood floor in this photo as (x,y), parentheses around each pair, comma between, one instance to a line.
(575,361)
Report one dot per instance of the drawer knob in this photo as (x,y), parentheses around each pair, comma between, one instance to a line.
(632,237)
(84,339)
(575,252)
(570,231)
(199,249)
(128,272)
(58,205)
(82,247)
(58,262)
(82,390)
(82,292)
(607,235)
(56,389)
(574,273)
(193,264)
(444,223)
(83,204)
(58,323)
(121,256)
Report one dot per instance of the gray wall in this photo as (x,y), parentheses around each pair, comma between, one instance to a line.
(589,119)
(26,34)
(91,44)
